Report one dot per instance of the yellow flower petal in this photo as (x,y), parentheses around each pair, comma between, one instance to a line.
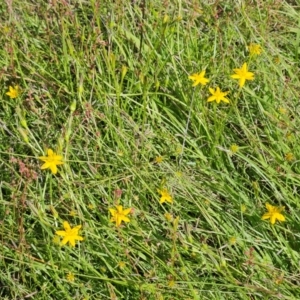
(280,217)
(273,219)
(65,240)
(66,225)
(45,166)
(126,211)
(60,233)
(242,82)
(50,152)
(265,216)
(125,219)
(76,228)
(269,206)
(112,211)
(53,168)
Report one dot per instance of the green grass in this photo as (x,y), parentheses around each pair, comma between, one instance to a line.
(106,85)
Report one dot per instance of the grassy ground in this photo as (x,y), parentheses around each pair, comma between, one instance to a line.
(105,84)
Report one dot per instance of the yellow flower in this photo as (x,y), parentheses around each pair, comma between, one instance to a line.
(199,78)
(282,110)
(165,196)
(168,216)
(254,49)
(289,156)
(178,150)
(120,153)
(91,206)
(121,264)
(56,240)
(277,60)
(166,19)
(274,213)
(119,215)
(14,92)
(158,159)
(242,74)
(171,283)
(51,161)
(217,95)
(70,234)
(6,29)
(73,213)
(232,240)
(255,185)
(234,148)
(70,277)
(279,279)
(243,208)
(178,174)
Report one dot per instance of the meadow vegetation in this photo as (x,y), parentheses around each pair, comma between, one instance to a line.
(149,149)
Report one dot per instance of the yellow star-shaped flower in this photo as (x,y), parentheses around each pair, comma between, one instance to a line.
(217,95)
(242,74)
(274,213)
(165,196)
(70,277)
(119,215)
(199,78)
(51,161)
(70,234)
(14,92)
(254,49)
(234,148)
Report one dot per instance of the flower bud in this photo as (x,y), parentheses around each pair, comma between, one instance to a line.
(73,106)
(24,135)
